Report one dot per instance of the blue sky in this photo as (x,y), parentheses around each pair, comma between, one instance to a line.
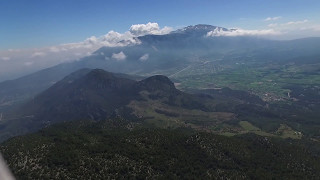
(37,23)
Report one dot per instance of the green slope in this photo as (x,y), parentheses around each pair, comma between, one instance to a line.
(122,150)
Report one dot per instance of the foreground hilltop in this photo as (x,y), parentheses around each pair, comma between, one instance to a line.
(97,95)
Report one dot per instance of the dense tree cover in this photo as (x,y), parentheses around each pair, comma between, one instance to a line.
(121,150)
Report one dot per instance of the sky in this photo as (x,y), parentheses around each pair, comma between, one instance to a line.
(29,29)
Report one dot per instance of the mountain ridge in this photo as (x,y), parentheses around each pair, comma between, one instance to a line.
(199,28)
(96,95)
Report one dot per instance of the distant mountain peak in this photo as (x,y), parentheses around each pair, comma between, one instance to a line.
(199,28)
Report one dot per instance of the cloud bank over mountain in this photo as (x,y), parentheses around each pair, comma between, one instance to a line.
(149,28)
(116,39)
(28,60)
(242,32)
(119,56)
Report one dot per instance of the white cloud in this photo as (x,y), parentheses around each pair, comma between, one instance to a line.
(296,22)
(272,18)
(13,50)
(242,32)
(22,59)
(149,28)
(29,63)
(296,27)
(273,25)
(111,39)
(119,56)
(54,49)
(313,28)
(144,57)
(5,58)
(91,40)
(38,54)
(115,39)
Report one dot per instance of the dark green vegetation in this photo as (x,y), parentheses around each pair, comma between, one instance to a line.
(120,149)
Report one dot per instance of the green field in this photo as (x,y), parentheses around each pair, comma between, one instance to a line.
(269,81)
(283,131)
